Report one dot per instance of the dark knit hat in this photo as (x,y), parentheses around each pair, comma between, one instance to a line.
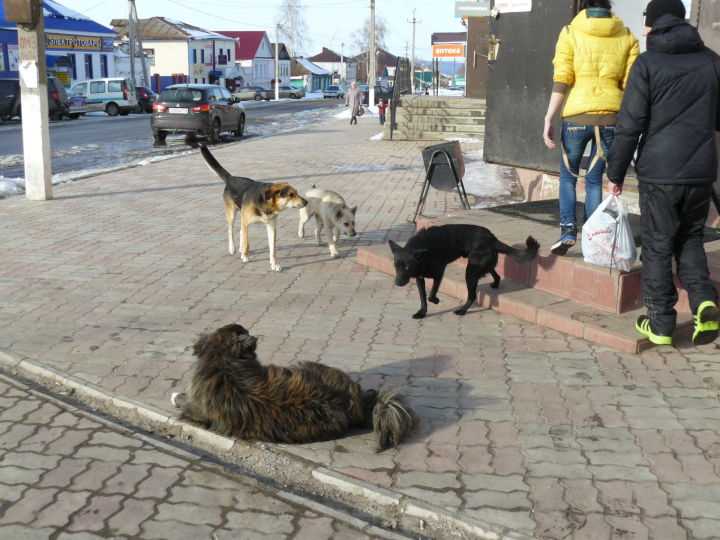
(658,8)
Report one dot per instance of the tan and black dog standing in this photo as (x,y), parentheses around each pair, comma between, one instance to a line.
(257,202)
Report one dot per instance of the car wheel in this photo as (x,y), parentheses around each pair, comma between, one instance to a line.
(258,98)
(214,133)
(293,96)
(112,109)
(74,116)
(159,138)
(240,131)
(124,113)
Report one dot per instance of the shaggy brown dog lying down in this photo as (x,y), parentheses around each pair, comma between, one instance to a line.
(232,394)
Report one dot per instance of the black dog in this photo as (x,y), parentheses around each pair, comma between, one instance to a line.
(428,253)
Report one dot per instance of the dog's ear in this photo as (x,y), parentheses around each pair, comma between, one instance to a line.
(244,345)
(394,247)
(202,345)
(354,210)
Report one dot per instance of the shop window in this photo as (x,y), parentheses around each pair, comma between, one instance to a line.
(194,58)
(73,63)
(89,66)
(104,65)
(202,56)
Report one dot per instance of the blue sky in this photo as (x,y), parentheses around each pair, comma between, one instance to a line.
(330,22)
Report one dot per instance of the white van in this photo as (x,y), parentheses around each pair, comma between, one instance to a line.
(113,95)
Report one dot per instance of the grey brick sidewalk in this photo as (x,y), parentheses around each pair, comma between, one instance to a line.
(520,426)
(67,476)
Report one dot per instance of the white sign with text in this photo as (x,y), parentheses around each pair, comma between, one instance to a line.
(513,6)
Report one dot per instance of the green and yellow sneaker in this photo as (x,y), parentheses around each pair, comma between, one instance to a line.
(643,327)
(707,324)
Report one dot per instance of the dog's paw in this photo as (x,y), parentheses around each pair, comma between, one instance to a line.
(244,258)
(460,312)
(434,300)
(275,267)
(231,251)
(334,254)
(419,315)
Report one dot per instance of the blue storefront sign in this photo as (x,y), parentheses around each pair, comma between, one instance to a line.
(71,39)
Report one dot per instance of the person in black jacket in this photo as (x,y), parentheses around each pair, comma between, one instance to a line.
(672,107)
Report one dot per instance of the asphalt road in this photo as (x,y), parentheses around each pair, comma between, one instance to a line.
(99,142)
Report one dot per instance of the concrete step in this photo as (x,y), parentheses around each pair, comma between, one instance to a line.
(443,113)
(534,306)
(442,128)
(414,135)
(437,119)
(443,102)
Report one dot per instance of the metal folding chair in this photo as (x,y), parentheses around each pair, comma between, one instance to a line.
(444,168)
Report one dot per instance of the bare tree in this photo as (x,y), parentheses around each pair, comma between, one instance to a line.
(361,38)
(293,29)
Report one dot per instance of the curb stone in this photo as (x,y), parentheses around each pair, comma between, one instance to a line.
(421,518)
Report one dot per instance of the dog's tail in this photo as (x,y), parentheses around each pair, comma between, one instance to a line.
(522,255)
(392,420)
(214,164)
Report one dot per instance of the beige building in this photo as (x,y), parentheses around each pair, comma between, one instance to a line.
(179,52)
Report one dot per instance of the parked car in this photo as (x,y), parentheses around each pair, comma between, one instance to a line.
(381,91)
(146,98)
(77,107)
(334,92)
(250,93)
(111,95)
(290,92)
(207,110)
(10,105)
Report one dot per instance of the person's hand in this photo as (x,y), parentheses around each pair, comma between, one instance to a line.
(549,134)
(616,189)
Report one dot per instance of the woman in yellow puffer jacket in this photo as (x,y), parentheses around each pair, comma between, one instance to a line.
(592,62)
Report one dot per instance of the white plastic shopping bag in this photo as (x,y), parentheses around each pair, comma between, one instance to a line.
(607,238)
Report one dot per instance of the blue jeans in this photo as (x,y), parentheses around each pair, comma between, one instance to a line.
(575,139)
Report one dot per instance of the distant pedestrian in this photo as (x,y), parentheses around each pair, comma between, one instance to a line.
(672,108)
(354,100)
(592,63)
(382,107)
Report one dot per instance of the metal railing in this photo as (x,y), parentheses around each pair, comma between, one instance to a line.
(402,86)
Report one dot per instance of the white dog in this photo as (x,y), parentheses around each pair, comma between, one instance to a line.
(331,214)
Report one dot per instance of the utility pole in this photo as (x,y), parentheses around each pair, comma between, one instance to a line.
(414,22)
(34,97)
(343,70)
(277,62)
(136,46)
(372,58)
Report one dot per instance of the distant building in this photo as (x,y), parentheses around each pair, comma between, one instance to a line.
(340,67)
(254,56)
(386,64)
(310,76)
(77,48)
(181,52)
(285,63)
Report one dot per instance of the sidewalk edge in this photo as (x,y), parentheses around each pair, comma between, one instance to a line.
(405,506)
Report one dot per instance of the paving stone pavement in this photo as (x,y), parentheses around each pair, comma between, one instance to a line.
(65,475)
(521,426)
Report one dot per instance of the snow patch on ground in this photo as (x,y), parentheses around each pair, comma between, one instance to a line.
(464,140)
(492,185)
(314,95)
(363,168)
(379,137)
